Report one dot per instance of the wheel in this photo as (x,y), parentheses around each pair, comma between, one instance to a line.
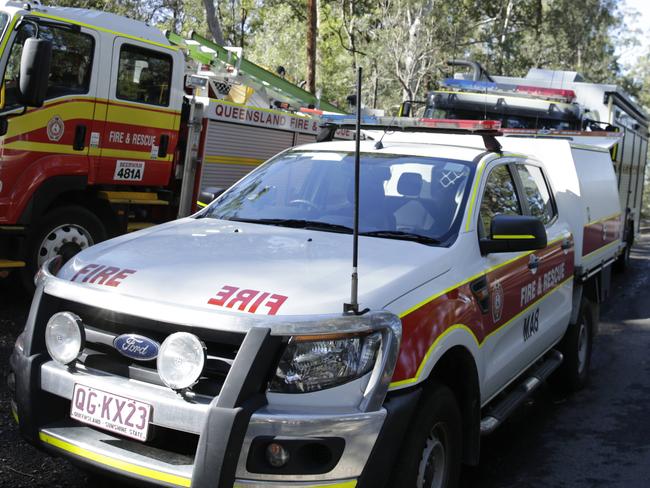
(576,347)
(623,262)
(63,232)
(431,454)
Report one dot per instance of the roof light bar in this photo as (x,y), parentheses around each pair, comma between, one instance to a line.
(370,122)
(559,93)
(488,87)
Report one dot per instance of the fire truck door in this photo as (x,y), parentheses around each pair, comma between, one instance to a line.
(52,140)
(141,115)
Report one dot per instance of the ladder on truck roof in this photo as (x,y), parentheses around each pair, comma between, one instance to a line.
(250,74)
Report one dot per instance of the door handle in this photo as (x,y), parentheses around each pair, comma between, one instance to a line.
(481,292)
(79,142)
(567,244)
(163,146)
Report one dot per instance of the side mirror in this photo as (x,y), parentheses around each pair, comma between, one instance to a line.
(34,71)
(511,233)
(208,195)
(405,109)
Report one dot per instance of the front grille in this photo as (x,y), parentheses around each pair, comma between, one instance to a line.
(102,326)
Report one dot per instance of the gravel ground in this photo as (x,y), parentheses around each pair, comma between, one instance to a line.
(599,437)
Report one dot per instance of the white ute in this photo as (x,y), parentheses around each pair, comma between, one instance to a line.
(213,350)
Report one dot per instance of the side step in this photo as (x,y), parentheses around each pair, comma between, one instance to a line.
(504,407)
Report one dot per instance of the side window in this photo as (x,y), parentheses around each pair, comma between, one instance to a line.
(72,59)
(144,76)
(536,192)
(500,197)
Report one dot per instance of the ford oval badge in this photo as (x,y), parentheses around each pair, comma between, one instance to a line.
(136,347)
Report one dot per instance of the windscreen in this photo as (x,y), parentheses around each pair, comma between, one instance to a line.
(400,196)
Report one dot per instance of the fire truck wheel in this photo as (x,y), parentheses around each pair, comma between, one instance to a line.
(576,346)
(63,231)
(431,452)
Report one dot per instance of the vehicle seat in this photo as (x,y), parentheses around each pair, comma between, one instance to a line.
(412,215)
(374,213)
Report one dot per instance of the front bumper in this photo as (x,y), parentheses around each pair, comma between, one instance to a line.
(223,427)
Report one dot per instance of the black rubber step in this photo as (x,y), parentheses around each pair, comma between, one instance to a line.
(506,405)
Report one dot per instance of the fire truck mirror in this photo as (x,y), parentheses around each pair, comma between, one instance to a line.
(34,71)
(514,233)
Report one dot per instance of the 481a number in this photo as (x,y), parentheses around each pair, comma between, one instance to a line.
(129,174)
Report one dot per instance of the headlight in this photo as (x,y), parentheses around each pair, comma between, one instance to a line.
(180,360)
(311,365)
(64,337)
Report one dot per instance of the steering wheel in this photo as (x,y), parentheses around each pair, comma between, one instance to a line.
(306,203)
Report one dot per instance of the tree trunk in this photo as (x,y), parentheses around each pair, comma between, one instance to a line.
(312,32)
(213,22)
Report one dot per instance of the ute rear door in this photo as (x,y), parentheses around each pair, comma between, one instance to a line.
(138,115)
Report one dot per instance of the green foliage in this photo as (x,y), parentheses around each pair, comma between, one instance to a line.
(403,45)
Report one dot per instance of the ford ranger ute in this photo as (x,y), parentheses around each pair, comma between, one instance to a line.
(213,350)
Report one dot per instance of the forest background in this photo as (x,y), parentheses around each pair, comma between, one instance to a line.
(403,45)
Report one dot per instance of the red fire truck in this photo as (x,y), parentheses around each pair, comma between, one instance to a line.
(108,126)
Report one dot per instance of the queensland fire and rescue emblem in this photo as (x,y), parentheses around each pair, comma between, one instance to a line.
(55,129)
(497,301)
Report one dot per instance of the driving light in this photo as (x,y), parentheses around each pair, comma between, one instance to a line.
(64,337)
(276,455)
(312,365)
(181,360)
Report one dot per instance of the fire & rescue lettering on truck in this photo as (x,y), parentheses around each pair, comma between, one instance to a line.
(478,280)
(106,132)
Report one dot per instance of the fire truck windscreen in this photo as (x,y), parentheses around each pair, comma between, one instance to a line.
(401,197)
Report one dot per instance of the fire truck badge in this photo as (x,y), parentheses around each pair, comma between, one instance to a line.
(55,129)
(497,302)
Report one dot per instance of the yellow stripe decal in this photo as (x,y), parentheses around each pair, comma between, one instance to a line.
(14,414)
(477,275)
(472,201)
(613,216)
(115,463)
(142,116)
(601,249)
(8,34)
(102,29)
(418,373)
(232,160)
(62,149)
(513,236)
(201,204)
(343,484)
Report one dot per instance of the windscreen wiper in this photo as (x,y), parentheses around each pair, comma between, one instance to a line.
(299,224)
(401,235)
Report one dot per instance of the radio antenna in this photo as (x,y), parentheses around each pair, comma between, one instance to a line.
(353,306)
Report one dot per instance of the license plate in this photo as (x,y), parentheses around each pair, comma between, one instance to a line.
(110,412)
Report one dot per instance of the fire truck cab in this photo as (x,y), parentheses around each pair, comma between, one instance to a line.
(108,125)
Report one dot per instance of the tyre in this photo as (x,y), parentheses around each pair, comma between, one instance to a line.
(576,348)
(431,453)
(63,232)
(622,263)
